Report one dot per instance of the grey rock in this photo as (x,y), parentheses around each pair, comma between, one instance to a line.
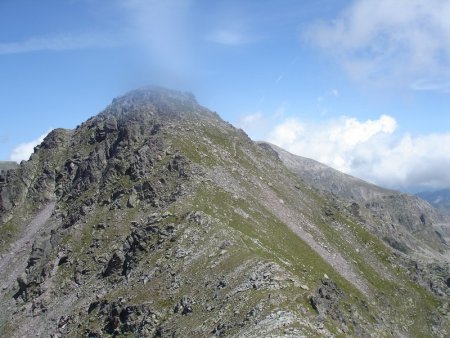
(184,306)
(132,200)
(111,124)
(115,264)
(326,300)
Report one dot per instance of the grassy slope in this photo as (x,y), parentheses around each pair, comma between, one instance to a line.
(409,305)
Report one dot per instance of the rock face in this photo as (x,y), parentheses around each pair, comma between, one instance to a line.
(156,218)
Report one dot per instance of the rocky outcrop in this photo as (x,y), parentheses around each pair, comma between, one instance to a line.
(120,318)
(326,300)
(32,185)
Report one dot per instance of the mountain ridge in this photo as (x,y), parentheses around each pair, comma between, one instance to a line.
(157,218)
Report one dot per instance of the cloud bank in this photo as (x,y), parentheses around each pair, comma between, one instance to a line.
(372,150)
(384,41)
(24,150)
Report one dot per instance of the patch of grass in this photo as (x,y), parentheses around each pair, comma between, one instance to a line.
(8,232)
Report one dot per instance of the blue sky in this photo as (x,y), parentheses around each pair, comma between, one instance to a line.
(360,85)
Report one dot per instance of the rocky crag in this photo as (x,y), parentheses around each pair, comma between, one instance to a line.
(156,218)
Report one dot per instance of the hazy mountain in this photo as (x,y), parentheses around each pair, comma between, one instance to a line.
(156,218)
(7,165)
(440,199)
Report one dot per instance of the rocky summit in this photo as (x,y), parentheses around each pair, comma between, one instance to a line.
(156,218)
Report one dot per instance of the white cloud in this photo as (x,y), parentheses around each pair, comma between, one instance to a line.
(255,124)
(24,150)
(57,43)
(286,133)
(258,124)
(371,150)
(388,41)
(250,119)
(226,37)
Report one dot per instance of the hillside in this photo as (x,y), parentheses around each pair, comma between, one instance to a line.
(156,218)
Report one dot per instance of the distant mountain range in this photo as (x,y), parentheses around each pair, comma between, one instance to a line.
(440,199)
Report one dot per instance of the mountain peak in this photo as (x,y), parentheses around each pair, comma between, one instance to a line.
(155,94)
(153,99)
